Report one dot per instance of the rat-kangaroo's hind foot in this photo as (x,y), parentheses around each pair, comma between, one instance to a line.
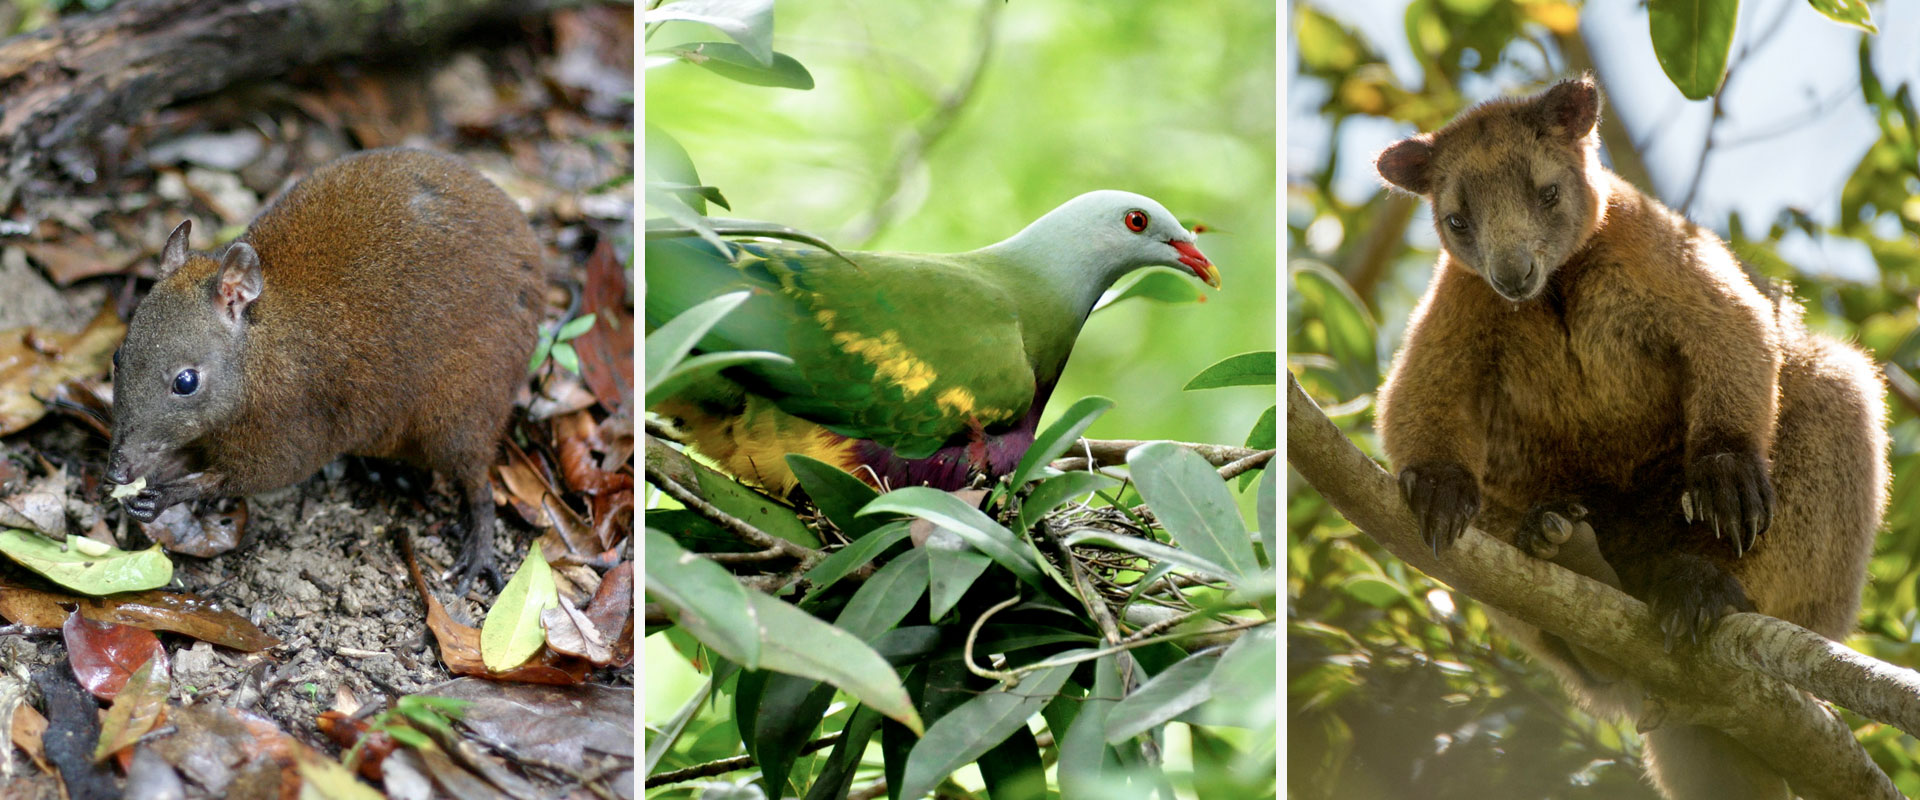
(1688,594)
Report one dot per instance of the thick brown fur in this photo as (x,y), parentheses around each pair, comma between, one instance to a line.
(1584,350)
(385,306)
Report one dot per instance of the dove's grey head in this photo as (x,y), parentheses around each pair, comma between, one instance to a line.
(1102,235)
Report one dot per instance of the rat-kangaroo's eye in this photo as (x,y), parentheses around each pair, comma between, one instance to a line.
(186,382)
(1455,222)
(1136,220)
(1549,195)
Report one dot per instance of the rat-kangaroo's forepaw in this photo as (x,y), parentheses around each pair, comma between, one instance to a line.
(1549,525)
(1731,495)
(1444,497)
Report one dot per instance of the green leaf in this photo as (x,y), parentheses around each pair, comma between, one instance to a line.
(854,556)
(1086,771)
(702,226)
(671,343)
(1374,590)
(836,777)
(704,363)
(564,355)
(1058,437)
(1194,506)
(1260,368)
(749,22)
(669,167)
(951,570)
(87,566)
(703,597)
(574,328)
(1050,493)
(969,731)
(660,740)
(1847,12)
(952,513)
(1159,286)
(795,643)
(770,516)
(1169,694)
(512,633)
(1329,316)
(1265,435)
(1012,769)
(696,197)
(790,709)
(1691,39)
(733,62)
(886,597)
(135,709)
(837,494)
(540,351)
(1152,551)
(684,220)
(1242,685)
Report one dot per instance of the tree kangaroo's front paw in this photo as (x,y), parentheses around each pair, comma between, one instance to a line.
(1547,526)
(1689,594)
(1444,497)
(1730,492)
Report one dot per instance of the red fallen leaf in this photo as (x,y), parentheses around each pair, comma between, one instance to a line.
(613,518)
(611,610)
(104,655)
(460,644)
(153,610)
(347,731)
(606,349)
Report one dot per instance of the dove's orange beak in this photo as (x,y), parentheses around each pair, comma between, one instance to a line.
(1197,261)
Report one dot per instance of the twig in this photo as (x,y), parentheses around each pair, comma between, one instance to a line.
(1113,453)
(1257,460)
(734,764)
(930,132)
(738,527)
(973,633)
(1713,123)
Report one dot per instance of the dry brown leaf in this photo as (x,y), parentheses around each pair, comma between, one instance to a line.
(158,611)
(78,258)
(570,632)
(28,727)
(33,362)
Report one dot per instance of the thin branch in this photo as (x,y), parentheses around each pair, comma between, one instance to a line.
(1713,124)
(734,764)
(1233,469)
(1750,697)
(1113,453)
(931,131)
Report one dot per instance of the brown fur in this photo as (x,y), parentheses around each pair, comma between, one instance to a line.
(1600,350)
(384,306)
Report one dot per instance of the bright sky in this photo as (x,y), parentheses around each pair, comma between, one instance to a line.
(1811,63)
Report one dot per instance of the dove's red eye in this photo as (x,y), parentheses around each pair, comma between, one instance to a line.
(1136,220)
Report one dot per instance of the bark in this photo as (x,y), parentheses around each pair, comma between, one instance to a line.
(71,80)
(1741,680)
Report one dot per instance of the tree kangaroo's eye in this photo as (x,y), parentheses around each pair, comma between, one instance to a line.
(1549,195)
(1455,222)
(186,382)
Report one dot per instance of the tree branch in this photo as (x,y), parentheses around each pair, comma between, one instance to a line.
(1741,680)
(1113,453)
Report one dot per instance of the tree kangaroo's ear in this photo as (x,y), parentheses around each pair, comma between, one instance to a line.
(1569,109)
(1405,164)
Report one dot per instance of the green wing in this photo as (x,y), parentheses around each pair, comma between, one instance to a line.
(906,350)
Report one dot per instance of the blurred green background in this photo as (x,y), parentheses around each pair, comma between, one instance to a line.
(1806,163)
(897,148)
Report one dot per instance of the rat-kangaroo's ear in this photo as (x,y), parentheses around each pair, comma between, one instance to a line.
(175,253)
(1569,109)
(240,282)
(1405,164)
